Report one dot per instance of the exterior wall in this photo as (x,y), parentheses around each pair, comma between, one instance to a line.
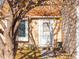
(57,32)
(35,29)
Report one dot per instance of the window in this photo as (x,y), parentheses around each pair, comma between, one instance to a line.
(23,31)
(1,2)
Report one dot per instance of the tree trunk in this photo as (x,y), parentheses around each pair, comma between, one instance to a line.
(6,45)
(69,26)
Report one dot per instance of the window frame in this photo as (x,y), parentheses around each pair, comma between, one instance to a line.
(2,2)
(27,40)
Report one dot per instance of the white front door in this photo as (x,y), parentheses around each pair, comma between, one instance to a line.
(45,36)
